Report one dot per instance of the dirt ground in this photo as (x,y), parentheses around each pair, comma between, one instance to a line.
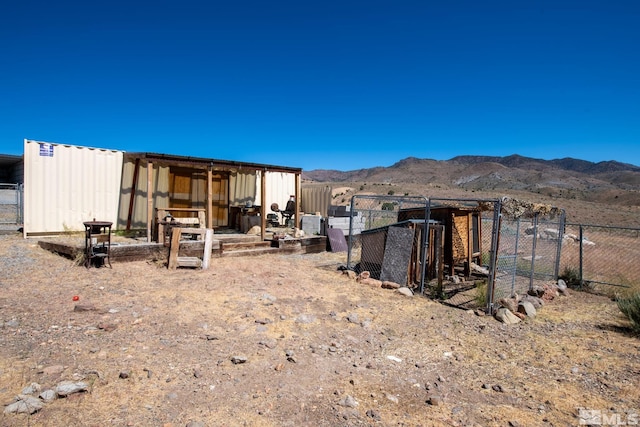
(287,340)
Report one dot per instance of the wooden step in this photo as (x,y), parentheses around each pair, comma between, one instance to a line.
(227,246)
(251,252)
(236,238)
(188,261)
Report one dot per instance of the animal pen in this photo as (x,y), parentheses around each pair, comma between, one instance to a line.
(467,252)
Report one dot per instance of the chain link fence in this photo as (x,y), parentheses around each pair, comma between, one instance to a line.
(388,247)
(466,252)
(601,259)
(11,200)
(472,253)
(529,251)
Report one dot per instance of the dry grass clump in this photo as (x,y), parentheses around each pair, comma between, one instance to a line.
(630,307)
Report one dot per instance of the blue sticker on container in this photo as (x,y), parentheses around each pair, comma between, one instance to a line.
(46,150)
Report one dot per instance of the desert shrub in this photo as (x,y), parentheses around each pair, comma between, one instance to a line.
(79,257)
(571,277)
(481,293)
(388,206)
(630,307)
(391,192)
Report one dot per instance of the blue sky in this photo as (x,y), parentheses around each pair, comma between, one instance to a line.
(325,84)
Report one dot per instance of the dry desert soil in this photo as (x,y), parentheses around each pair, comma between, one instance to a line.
(288,340)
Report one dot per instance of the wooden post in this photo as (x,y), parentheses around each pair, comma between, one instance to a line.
(263,197)
(467,269)
(149,199)
(209,199)
(161,214)
(439,257)
(174,248)
(132,198)
(297,222)
(208,247)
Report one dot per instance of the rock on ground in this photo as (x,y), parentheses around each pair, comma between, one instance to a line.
(506,316)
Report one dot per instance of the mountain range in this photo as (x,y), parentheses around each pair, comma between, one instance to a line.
(568,178)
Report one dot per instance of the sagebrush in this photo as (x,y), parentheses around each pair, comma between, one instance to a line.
(630,307)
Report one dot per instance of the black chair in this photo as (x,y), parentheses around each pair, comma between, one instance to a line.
(289,212)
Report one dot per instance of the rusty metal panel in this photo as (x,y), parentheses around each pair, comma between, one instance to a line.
(337,240)
(66,185)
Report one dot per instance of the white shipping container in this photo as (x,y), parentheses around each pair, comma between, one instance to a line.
(66,185)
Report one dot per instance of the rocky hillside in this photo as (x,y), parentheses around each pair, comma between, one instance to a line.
(610,183)
(511,172)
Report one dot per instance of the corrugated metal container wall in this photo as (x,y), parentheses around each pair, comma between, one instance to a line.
(316,200)
(242,188)
(280,185)
(138,218)
(66,185)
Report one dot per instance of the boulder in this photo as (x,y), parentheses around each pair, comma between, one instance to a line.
(24,405)
(350,273)
(32,388)
(371,282)
(506,316)
(65,388)
(562,287)
(509,303)
(549,292)
(569,236)
(536,291)
(238,360)
(390,285)
(254,231)
(48,395)
(405,291)
(527,308)
(364,275)
(537,303)
(348,401)
(478,269)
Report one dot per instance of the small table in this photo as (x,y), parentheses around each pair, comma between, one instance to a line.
(97,243)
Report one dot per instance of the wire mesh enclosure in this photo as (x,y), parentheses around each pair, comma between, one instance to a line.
(601,259)
(389,248)
(10,204)
(529,250)
(466,252)
(471,229)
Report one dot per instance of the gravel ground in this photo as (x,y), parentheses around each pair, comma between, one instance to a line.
(277,340)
